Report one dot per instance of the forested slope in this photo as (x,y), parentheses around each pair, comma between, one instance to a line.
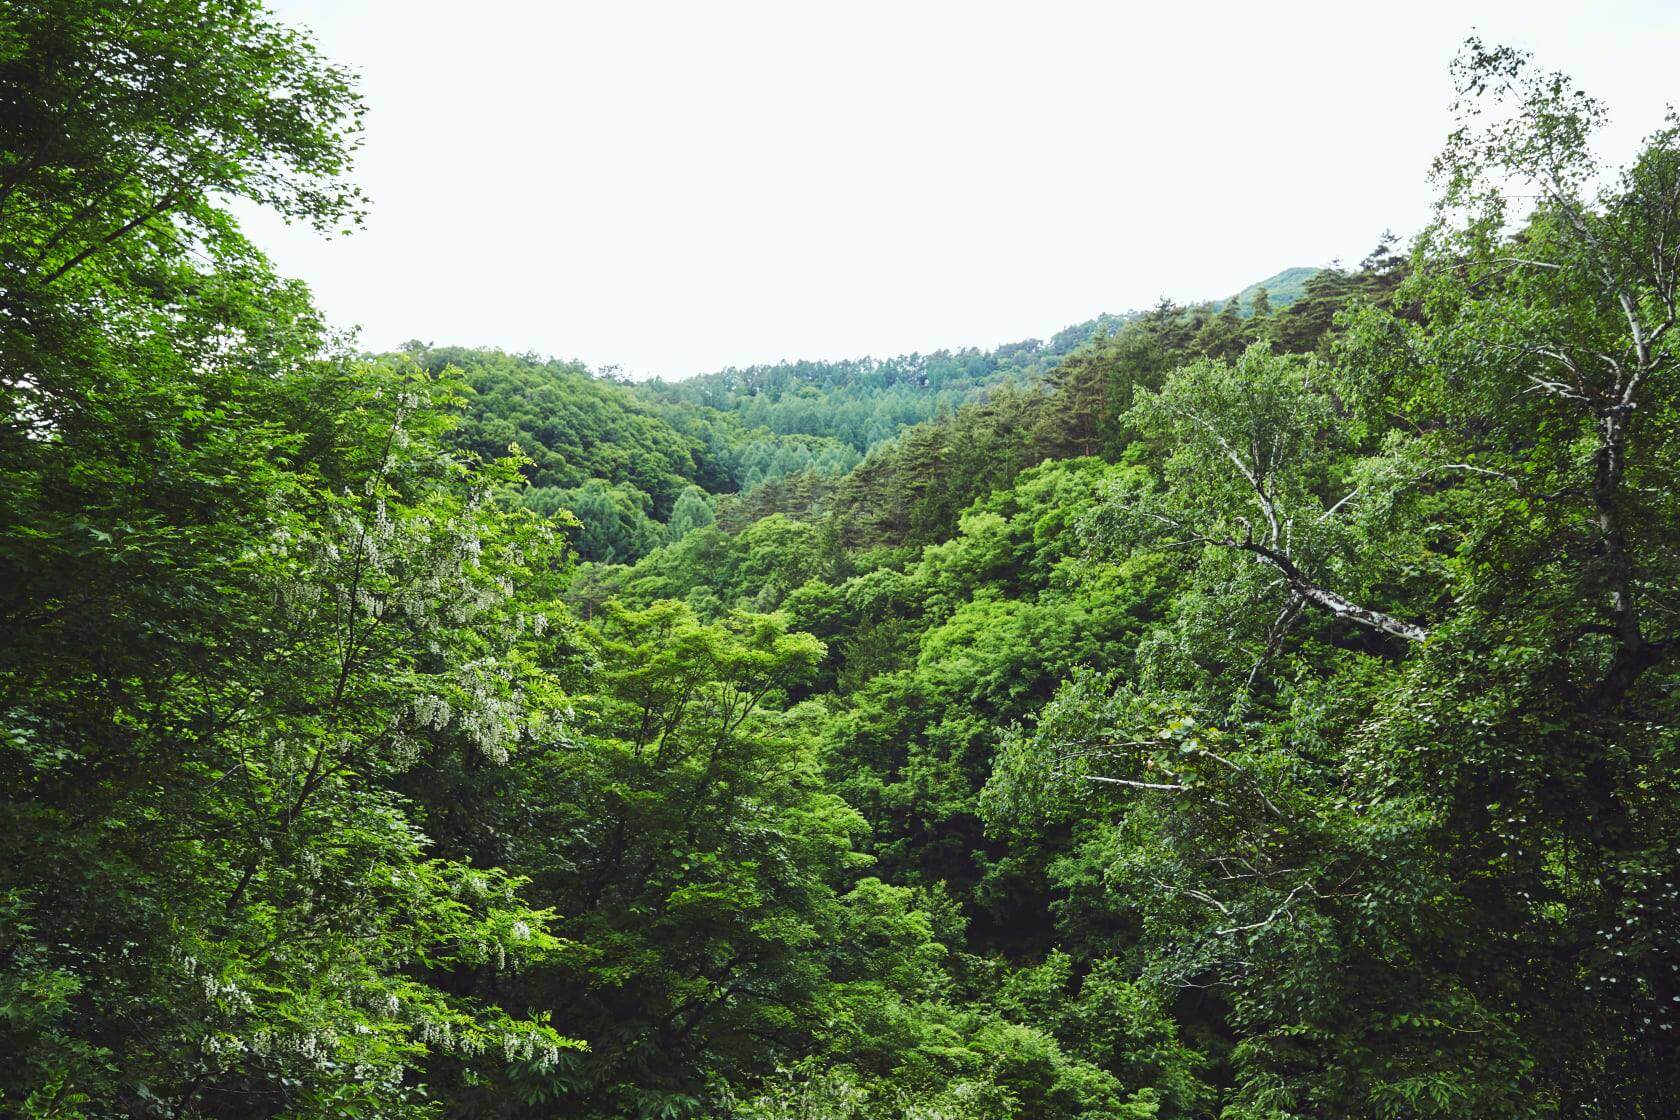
(621,455)
(865,402)
(1253,712)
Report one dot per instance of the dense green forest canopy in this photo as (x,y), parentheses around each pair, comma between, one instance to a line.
(1255,709)
(620,456)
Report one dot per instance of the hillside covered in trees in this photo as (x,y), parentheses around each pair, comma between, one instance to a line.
(1253,709)
(622,457)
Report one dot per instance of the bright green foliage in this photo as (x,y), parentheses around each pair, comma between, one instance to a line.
(1394,773)
(241,600)
(243,578)
(695,861)
(1204,713)
(753,570)
(768,458)
(981,1058)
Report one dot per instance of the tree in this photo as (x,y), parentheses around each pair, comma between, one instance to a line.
(1389,772)
(1578,317)
(608,523)
(242,575)
(206,862)
(124,131)
(692,511)
(692,856)
(1252,442)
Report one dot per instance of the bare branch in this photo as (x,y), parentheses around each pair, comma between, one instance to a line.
(1337,605)
(1135,785)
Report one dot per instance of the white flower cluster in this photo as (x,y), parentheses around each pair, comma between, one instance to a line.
(434,1033)
(544,1055)
(228,994)
(487,712)
(431,711)
(405,751)
(493,711)
(318,1047)
(297,598)
(370,605)
(215,1045)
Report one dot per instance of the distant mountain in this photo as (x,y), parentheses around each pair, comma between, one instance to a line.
(1281,290)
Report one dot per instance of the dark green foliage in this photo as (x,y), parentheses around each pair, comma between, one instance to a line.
(800,496)
(693,510)
(693,858)
(1309,321)
(786,439)
(121,133)
(913,489)
(574,427)
(864,403)
(603,521)
(615,458)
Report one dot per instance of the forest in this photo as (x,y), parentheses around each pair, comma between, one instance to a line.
(1252,709)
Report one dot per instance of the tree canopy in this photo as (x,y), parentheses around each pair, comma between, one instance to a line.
(1254,709)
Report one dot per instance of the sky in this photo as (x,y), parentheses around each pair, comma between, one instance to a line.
(672,188)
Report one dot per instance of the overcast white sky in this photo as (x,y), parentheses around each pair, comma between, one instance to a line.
(676,187)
